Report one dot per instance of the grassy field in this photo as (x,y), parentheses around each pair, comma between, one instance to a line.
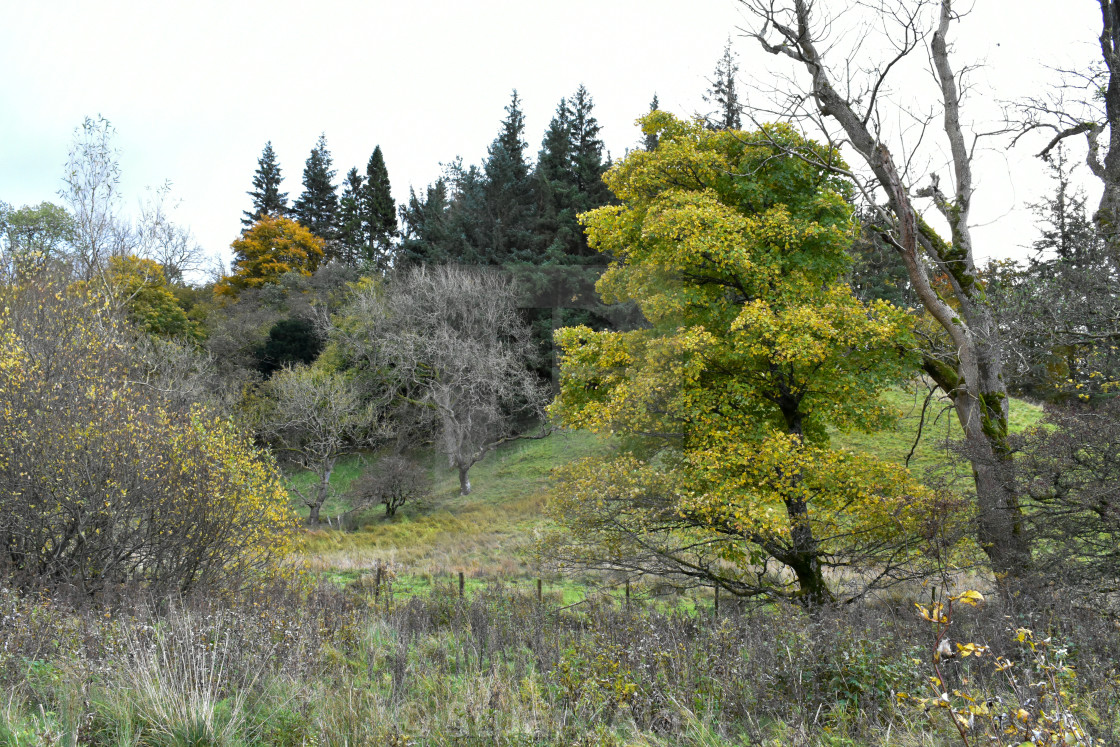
(302,665)
(486,534)
(490,533)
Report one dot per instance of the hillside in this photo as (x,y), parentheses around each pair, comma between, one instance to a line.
(488,533)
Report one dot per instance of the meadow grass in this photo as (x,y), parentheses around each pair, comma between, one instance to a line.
(320,664)
(932,447)
(491,533)
(486,534)
(331,657)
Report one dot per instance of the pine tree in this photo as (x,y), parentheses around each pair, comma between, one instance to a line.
(650,139)
(379,216)
(351,229)
(317,208)
(266,194)
(723,94)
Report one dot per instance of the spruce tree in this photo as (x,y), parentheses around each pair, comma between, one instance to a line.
(587,151)
(379,216)
(569,171)
(728,113)
(512,137)
(554,159)
(317,208)
(266,194)
(424,226)
(351,212)
(1067,232)
(509,213)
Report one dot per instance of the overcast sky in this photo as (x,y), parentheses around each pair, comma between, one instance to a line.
(195,89)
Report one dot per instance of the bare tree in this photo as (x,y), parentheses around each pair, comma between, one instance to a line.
(394,481)
(1087,103)
(453,344)
(161,239)
(851,110)
(312,418)
(93,197)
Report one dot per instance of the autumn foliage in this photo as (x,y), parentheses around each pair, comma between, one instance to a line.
(103,483)
(139,286)
(268,249)
(734,250)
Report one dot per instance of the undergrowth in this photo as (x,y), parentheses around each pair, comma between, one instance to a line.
(323,664)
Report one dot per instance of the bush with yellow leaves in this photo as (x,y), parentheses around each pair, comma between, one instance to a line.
(1035,709)
(103,481)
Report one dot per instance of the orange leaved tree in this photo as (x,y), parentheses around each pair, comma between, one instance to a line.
(268,249)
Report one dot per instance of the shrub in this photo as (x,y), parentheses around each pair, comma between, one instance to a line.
(394,481)
(103,482)
(1070,469)
(290,341)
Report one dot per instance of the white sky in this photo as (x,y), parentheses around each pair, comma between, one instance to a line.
(195,89)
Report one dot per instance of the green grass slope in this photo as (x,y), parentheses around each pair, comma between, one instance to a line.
(488,534)
(931,451)
(484,534)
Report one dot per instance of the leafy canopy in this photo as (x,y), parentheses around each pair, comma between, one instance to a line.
(734,252)
(140,286)
(272,247)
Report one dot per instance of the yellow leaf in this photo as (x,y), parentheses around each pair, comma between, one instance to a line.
(970,597)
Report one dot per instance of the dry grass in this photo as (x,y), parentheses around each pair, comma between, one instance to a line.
(291,665)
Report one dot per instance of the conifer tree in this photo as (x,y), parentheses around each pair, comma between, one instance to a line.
(317,208)
(266,194)
(554,159)
(587,150)
(509,213)
(351,211)
(570,171)
(728,113)
(424,226)
(379,211)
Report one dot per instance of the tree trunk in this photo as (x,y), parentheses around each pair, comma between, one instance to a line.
(999,519)
(804,557)
(1107,169)
(464,481)
(321,492)
(973,378)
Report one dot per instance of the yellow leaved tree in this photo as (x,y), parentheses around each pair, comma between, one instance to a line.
(734,249)
(266,250)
